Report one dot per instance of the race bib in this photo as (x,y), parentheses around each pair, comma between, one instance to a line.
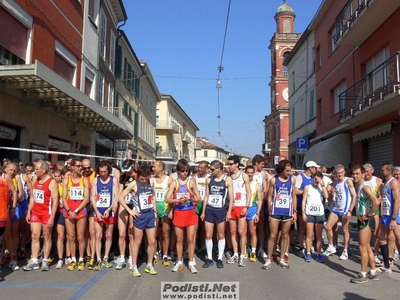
(215,201)
(128,199)
(76,193)
(39,196)
(240,199)
(315,210)
(146,201)
(202,191)
(282,201)
(160,195)
(182,203)
(339,202)
(385,206)
(103,200)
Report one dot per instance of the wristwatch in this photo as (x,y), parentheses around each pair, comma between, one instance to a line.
(393,218)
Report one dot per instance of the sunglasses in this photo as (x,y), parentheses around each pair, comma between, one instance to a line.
(231,164)
(184,171)
(78,166)
(86,168)
(212,169)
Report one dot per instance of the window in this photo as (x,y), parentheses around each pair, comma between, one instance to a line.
(312,104)
(92,14)
(318,59)
(112,52)
(110,98)
(376,78)
(89,79)
(103,34)
(319,109)
(205,153)
(333,43)
(65,63)
(277,131)
(293,119)
(337,104)
(100,90)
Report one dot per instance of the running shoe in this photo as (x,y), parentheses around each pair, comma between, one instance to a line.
(106,263)
(383,270)
(260,252)
(91,264)
(283,263)
(253,257)
(178,266)
(81,265)
(97,266)
(302,253)
(45,265)
(360,279)
(220,264)
(13,265)
(396,256)
(308,258)
(330,250)
(377,261)
(372,277)
(267,264)
(150,269)
(344,256)
(312,249)
(31,266)
(192,269)
(286,257)
(208,263)
(130,265)
(242,261)
(3,260)
(319,258)
(228,255)
(155,259)
(120,264)
(232,260)
(135,272)
(165,261)
(68,260)
(60,264)
(72,266)
(87,260)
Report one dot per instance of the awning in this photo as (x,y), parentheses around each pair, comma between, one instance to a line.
(373,132)
(330,152)
(40,86)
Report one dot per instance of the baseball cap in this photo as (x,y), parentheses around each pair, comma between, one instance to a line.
(127,165)
(311,163)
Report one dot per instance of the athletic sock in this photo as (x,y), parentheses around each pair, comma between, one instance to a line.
(253,249)
(385,254)
(221,247)
(209,247)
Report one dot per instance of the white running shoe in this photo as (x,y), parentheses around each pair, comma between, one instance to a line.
(330,250)
(344,256)
(60,264)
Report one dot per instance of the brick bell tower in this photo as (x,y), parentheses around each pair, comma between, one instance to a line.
(277,123)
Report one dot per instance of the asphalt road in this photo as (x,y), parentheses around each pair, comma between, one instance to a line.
(330,280)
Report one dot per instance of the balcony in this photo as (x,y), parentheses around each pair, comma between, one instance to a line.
(167,125)
(359,19)
(123,116)
(187,138)
(266,148)
(167,155)
(375,95)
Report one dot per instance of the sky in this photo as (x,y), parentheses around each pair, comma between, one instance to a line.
(182,42)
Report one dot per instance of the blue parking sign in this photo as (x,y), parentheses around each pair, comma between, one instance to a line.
(302,145)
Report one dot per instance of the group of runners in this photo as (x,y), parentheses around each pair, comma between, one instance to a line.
(224,210)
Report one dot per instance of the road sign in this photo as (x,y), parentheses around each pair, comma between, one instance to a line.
(302,145)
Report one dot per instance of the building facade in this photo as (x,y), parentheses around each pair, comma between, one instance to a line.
(208,151)
(357,82)
(43,102)
(277,122)
(176,132)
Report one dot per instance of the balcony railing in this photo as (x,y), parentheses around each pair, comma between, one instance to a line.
(166,124)
(349,14)
(123,115)
(382,81)
(187,138)
(167,154)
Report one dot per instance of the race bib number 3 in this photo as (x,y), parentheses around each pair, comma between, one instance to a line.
(76,193)
(146,201)
(39,196)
